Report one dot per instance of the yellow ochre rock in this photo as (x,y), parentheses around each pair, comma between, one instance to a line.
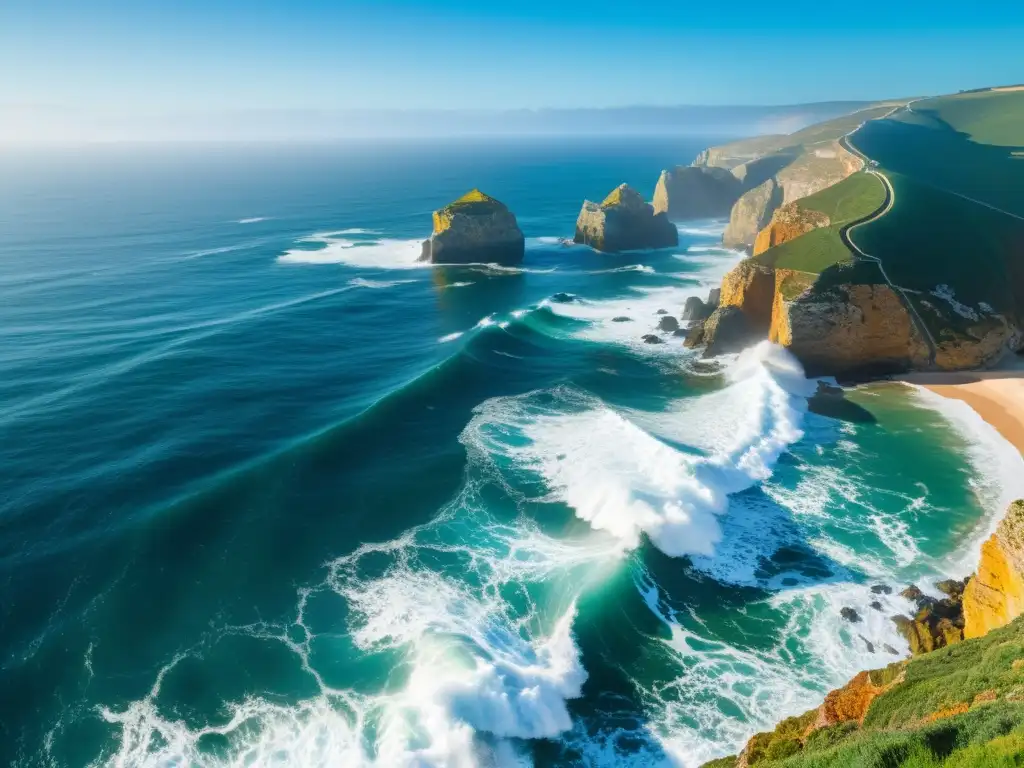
(474,228)
(995,596)
(788,223)
(750,286)
(848,328)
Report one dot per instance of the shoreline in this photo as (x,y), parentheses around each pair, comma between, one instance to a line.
(997,396)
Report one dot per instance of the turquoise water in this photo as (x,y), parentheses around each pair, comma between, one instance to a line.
(274,494)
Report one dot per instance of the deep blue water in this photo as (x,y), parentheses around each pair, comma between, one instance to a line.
(273,494)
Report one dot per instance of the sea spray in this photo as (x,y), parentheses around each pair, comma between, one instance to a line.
(355,248)
(625,480)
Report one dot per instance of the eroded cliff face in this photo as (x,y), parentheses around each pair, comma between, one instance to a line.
(848,704)
(623,222)
(980,345)
(474,228)
(751,287)
(816,168)
(688,192)
(788,223)
(995,596)
(848,329)
(751,212)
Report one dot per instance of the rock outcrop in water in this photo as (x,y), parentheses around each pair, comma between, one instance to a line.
(995,596)
(689,192)
(981,617)
(936,623)
(624,222)
(476,228)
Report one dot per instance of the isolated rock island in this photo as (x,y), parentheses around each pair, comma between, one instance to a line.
(474,229)
(624,222)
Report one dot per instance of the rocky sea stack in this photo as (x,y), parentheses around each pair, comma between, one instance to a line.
(476,228)
(687,192)
(624,222)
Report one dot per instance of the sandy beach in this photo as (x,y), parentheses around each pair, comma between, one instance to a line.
(997,396)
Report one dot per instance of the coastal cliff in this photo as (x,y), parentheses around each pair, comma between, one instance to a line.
(846,320)
(476,228)
(788,223)
(751,212)
(847,329)
(995,596)
(836,309)
(689,192)
(815,168)
(972,679)
(624,222)
(833,326)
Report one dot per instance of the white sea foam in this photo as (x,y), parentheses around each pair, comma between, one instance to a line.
(460,284)
(710,229)
(356,248)
(507,269)
(641,306)
(625,480)
(216,251)
(628,268)
(253,220)
(478,673)
(450,337)
(997,469)
(359,282)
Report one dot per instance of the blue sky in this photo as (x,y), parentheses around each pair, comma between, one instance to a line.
(187,55)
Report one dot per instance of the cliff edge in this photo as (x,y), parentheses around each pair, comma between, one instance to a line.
(689,192)
(995,596)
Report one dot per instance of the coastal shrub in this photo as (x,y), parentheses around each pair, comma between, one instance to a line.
(951,676)
(722,762)
(986,735)
(825,738)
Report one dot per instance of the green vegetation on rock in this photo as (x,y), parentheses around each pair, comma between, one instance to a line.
(855,198)
(932,239)
(958,707)
(986,117)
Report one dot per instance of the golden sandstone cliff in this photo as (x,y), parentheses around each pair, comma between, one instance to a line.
(812,170)
(842,328)
(980,675)
(995,596)
(788,223)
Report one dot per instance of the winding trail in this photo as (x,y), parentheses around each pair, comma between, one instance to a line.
(846,231)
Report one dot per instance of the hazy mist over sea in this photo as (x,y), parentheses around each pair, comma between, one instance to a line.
(41,124)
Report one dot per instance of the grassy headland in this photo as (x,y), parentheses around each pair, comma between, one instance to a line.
(856,197)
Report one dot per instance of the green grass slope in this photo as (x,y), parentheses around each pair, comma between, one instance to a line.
(794,143)
(968,145)
(954,238)
(991,117)
(959,707)
(856,197)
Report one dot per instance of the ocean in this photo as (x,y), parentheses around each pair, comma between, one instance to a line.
(274,494)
